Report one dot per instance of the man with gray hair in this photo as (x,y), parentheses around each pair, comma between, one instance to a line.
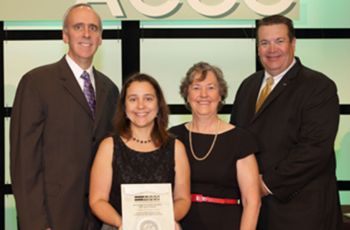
(60,113)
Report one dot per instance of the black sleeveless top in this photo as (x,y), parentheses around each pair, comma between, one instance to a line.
(216,176)
(133,167)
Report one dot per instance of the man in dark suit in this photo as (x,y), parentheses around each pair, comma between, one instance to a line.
(295,118)
(56,128)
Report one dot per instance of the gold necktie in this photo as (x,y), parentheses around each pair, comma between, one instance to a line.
(264,93)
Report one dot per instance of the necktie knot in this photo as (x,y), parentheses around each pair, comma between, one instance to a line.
(89,92)
(86,76)
(269,81)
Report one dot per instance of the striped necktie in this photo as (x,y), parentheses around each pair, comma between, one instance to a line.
(89,92)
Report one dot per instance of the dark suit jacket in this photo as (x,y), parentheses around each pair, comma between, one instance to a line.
(296,127)
(53,140)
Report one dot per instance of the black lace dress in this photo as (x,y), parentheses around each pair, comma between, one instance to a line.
(130,166)
(215,176)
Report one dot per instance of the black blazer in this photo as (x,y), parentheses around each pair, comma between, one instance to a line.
(53,140)
(296,127)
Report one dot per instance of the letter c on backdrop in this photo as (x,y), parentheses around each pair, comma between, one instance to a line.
(212,10)
(265,10)
(155,11)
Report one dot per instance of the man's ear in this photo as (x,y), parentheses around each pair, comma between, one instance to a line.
(294,41)
(65,36)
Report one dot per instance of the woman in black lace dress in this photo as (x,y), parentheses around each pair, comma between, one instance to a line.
(139,151)
(224,171)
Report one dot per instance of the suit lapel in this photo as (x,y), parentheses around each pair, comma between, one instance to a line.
(272,96)
(279,88)
(101,97)
(71,85)
(254,95)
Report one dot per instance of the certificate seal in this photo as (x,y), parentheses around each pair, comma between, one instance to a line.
(148,224)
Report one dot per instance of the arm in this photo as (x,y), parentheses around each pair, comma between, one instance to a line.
(248,180)
(26,156)
(100,184)
(182,195)
(311,153)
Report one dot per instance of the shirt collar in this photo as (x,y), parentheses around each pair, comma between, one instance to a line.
(76,69)
(278,77)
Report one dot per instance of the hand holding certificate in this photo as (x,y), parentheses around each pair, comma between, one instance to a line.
(147,207)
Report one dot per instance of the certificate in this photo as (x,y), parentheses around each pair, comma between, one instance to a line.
(147,207)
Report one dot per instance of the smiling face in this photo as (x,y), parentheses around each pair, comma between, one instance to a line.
(204,95)
(82,32)
(276,50)
(141,104)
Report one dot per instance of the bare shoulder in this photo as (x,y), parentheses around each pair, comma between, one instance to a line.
(180,153)
(179,148)
(179,144)
(107,141)
(106,144)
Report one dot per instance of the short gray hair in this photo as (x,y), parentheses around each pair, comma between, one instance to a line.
(203,68)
